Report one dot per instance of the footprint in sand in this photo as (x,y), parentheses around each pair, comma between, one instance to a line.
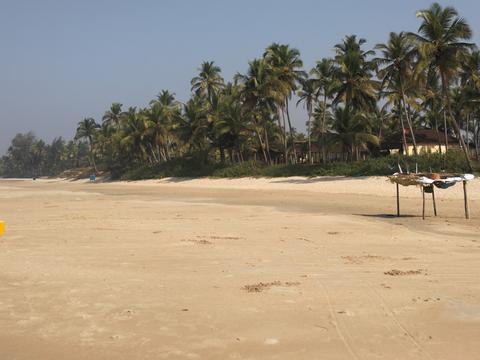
(125,314)
(261,286)
(396,272)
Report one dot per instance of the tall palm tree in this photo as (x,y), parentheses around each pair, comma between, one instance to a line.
(287,68)
(87,129)
(136,135)
(353,77)
(208,82)
(260,91)
(232,129)
(323,73)
(470,82)
(308,95)
(113,117)
(441,37)
(398,65)
(165,112)
(193,127)
(431,99)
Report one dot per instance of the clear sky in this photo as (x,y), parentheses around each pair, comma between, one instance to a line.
(63,60)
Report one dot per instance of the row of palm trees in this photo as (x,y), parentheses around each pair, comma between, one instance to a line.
(354,100)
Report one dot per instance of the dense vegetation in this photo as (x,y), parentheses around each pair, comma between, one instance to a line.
(429,79)
(453,161)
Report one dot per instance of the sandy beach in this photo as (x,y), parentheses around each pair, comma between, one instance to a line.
(287,268)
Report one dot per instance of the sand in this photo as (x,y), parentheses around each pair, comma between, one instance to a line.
(289,268)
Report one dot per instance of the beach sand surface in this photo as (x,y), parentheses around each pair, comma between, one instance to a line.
(286,268)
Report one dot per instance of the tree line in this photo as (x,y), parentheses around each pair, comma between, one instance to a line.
(429,79)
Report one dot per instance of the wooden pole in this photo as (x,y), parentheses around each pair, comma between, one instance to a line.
(423,208)
(433,199)
(398,202)
(465,200)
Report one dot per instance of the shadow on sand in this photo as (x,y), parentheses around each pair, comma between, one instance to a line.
(317,180)
(387,216)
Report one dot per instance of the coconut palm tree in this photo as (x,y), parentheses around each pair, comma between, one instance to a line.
(308,95)
(352,130)
(260,92)
(431,103)
(286,66)
(136,137)
(353,84)
(323,73)
(441,39)
(232,129)
(87,129)
(164,114)
(193,127)
(470,82)
(398,59)
(113,117)
(208,82)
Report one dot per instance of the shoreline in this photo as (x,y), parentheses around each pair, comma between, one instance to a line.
(366,185)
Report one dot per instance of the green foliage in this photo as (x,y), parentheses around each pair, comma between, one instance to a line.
(246,169)
(454,161)
(28,156)
(180,167)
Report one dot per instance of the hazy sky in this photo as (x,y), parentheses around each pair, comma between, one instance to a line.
(65,60)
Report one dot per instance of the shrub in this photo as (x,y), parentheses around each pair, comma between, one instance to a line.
(193,167)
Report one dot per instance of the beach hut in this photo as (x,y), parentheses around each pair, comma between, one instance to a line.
(428,141)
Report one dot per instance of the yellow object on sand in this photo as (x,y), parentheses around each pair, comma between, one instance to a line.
(2,227)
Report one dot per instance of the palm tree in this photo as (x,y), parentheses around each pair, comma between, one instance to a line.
(286,66)
(87,129)
(113,117)
(158,129)
(260,92)
(470,82)
(431,103)
(323,73)
(398,60)
(136,135)
(208,82)
(231,128)
(308,95)
(194,126)
(351,129)
(441,38)
(163,114)
(353,77)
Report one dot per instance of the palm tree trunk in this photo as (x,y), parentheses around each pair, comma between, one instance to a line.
(476,134)
(92,156)
(310,159)
(404,138)
(262,146)
(267,146)
(454,122)
(445,129)
(468,137)
(284,128)
(222,154)
(438,136)
(409,122)
(291,132)
(324,119)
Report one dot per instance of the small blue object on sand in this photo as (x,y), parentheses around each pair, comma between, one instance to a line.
(92,177)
